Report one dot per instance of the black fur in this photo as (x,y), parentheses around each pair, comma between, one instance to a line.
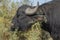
(52,13)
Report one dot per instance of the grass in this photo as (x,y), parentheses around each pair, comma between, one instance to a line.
(35,33)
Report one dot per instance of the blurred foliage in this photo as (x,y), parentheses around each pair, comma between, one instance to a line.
(7,12)
(26,2)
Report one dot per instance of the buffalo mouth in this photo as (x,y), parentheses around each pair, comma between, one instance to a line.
(39,17)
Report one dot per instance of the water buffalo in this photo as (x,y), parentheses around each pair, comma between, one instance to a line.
(52,13)
(26,15)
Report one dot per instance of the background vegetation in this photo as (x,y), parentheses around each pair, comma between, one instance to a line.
(7,11)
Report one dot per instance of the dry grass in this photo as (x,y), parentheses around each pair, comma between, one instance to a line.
(35,33)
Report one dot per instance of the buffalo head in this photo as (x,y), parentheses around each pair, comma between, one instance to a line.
(26,15)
